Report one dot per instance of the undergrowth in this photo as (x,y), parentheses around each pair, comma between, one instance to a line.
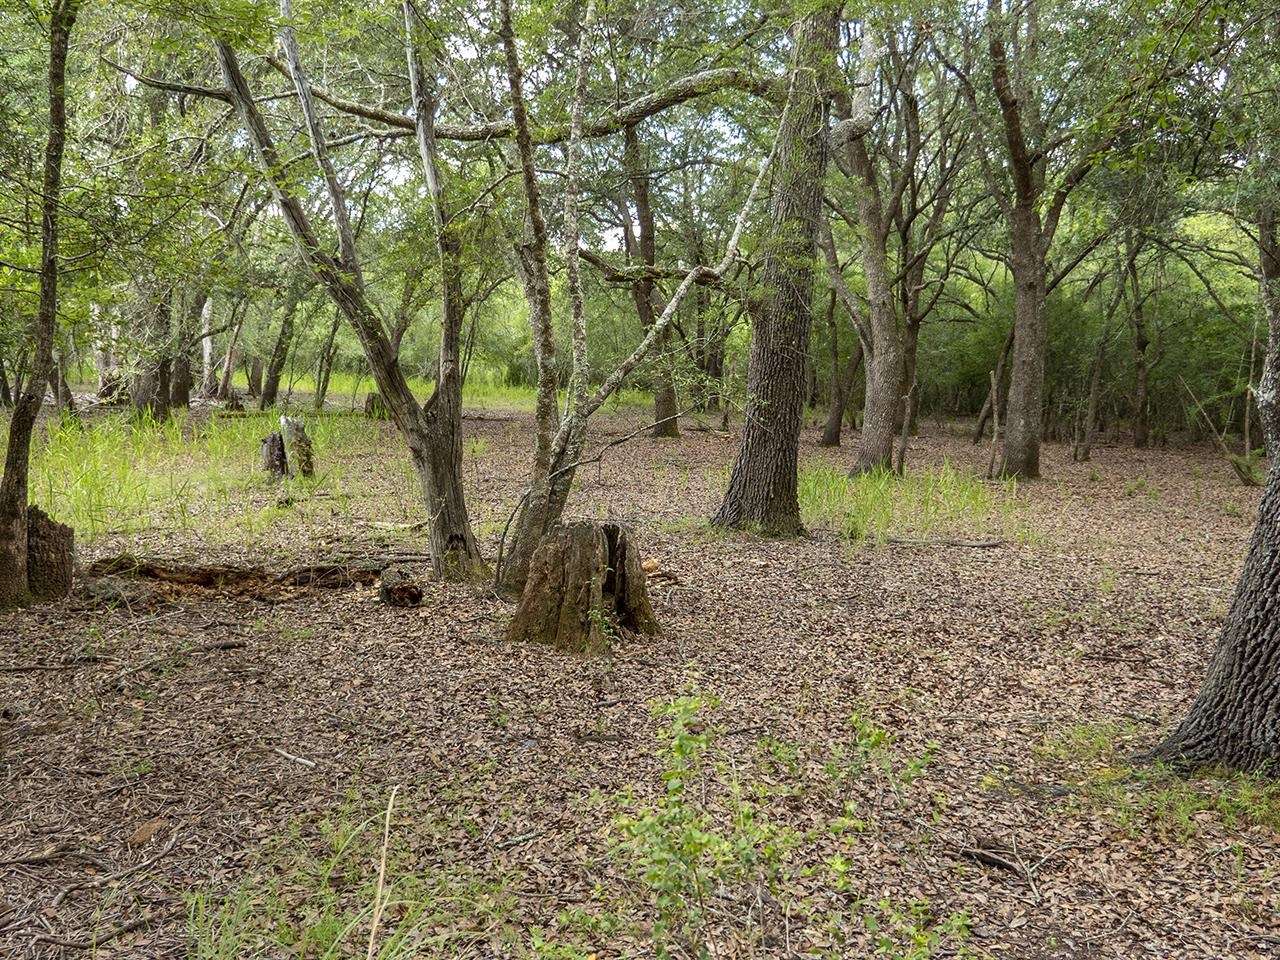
(1097,762)
(946,501)
(712,865)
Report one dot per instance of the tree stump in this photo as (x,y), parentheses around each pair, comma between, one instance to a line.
(376,407)
(398,589)
(585,586)
(274,460)
(300,458)
(50,556)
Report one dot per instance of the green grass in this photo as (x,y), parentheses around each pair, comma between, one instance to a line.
(1096,760)
(118,475)
(482,391)
(947,501)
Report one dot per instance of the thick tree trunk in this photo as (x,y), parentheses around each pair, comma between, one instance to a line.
(762,485)
(1234,721)
(151,385)
(208,370)
(50,556)
(14,584)
(254,377)
(1021,453)
(585,585)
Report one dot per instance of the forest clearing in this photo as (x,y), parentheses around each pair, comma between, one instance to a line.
(247,733)
(583,479)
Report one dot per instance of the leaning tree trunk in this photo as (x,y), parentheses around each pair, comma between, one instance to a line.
(841,390)
(1233,721)
(1021,452)
(15,585)
(762,485)
(585,586)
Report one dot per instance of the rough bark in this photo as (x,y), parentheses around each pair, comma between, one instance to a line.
(1234,721)
(14,585)
(585,585)
(1020,456)
(50,556)
(762,485)
(254,378)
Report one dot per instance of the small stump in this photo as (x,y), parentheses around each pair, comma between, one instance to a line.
(300,458)
(273,456)
(398,589)
(585,585)
(376,407)
(50,556)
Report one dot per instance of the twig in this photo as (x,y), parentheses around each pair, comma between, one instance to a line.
(44,856)
(382,873)
(296,759)
(99,939)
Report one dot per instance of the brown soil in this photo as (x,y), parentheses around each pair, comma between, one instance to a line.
(148,751)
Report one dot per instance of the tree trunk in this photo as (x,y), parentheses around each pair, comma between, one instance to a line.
(279,354)
(1233,721)
(841,391)
(643,291)
(272,453)
(229,359)
(325,365)
(585,585)
(15,588)
(1021,452)
(1141,428)
(254,378)
(50,556)
(208,372)
(762,485)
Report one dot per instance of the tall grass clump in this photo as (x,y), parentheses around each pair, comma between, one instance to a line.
(948,500)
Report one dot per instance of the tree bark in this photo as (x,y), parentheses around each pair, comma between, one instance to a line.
(1141,428)
(15,588)
(1233,721)
(762,485)
(585,585)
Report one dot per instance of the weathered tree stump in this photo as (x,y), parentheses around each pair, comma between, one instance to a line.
(398,589)
(585,586)
(274,460)
(50,556)
(376,407)
(300,458)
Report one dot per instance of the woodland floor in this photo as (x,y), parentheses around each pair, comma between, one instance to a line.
(201,743)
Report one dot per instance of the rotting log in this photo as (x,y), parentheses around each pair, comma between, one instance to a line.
(397,588)
(50,556)
(585,585)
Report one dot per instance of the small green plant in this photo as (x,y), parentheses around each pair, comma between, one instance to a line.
(1141,486)
(912,932)
(872,747)
(681,849)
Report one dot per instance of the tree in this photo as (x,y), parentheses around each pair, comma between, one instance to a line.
(15,587)
(762,485)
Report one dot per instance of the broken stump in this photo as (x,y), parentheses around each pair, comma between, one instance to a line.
(274,460)
(398,589)
(50,556)
(376,407)
(585,585)
(299,457)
